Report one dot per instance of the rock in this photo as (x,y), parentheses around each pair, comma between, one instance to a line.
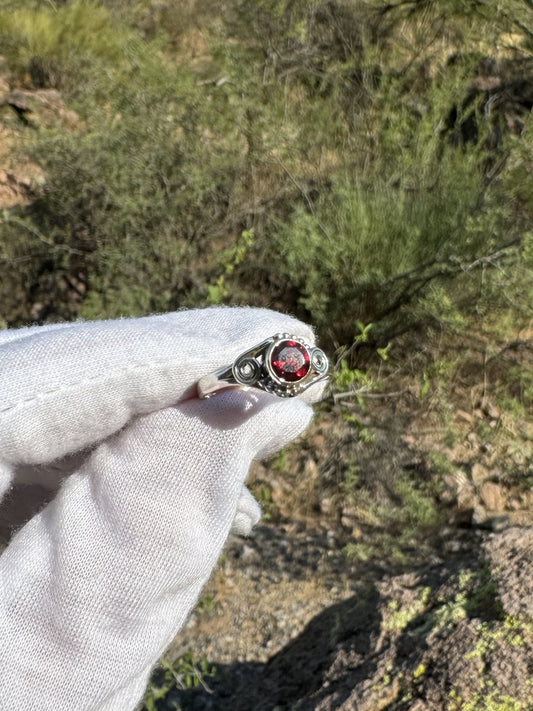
(327,505)
(473,438)
(25,100)
(493,496)
(480,516)
(311,471)
(511,556)
(466,416)
(466,495)
(448,495)
(491,411)
(520,518)
(41,106)
(18,183)
(479,473)
(249,554)
(490,520)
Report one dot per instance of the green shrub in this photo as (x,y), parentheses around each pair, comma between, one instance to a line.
(348,136)
(58,45)
(170,678)
(129,197)
(400,212)
(401,528)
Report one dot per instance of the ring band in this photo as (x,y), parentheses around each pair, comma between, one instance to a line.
(283,365)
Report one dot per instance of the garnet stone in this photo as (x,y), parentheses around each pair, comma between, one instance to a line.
(290,361)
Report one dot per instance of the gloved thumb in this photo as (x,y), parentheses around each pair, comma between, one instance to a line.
(247,515)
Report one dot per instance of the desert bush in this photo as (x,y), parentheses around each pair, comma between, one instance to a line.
(381,183)
(403,213)
(131,211)
(60,45)
(129,198)
(371,251)
(403,527)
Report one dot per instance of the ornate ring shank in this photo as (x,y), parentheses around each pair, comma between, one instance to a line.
(283,365)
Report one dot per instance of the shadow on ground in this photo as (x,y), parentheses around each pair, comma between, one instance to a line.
(438,637)
(301,668)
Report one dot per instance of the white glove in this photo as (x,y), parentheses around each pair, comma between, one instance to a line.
(95,586)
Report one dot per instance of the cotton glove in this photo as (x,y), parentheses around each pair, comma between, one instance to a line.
(95,586)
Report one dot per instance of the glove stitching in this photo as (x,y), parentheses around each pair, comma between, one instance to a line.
(85,381)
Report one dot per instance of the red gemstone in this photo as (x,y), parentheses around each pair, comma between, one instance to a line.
(290,361)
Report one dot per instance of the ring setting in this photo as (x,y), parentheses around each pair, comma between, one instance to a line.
(283,365)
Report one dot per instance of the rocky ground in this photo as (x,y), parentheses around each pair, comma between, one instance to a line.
(289,625)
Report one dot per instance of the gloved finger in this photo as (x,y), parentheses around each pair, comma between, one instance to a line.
(96,585)
(314,393)
(65,389)
(247,515)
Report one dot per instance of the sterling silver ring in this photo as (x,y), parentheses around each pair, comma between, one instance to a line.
(283,365)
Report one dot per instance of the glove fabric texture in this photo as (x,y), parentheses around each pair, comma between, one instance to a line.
(95,586)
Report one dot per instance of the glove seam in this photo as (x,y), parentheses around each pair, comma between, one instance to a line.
(48,394)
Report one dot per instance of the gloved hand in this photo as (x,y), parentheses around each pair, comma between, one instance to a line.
(95,586)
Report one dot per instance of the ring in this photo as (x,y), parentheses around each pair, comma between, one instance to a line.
(283,365)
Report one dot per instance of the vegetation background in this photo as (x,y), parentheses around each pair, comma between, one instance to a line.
(365,165)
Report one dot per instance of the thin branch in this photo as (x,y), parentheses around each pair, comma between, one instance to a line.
(411,290)
(40,236)
(487,259)
(416,270)
(362,392)
(350,393)
(304,193)
(390,7)
(19,260)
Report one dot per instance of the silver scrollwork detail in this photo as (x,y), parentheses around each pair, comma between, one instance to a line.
(247,370)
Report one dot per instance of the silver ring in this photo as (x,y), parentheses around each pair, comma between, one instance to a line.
(283,365)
